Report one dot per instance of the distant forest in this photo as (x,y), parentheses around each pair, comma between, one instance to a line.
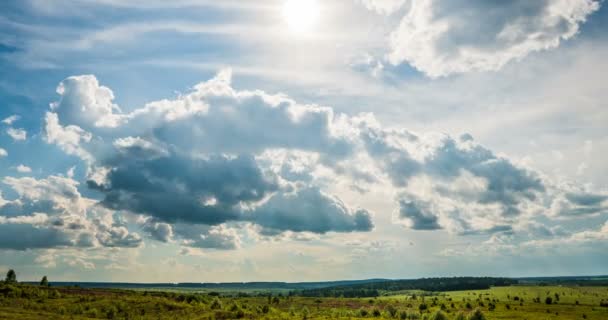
(373,289)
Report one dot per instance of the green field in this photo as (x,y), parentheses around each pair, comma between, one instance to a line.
(513,302)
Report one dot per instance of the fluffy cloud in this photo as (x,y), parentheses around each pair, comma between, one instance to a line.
(201,236)
(212,177)
(51,212)
(17,134)
(157,230)
(440,37)
(417,215)
(465,184)
(85,103)
(578,203)
(383,6)
(10,120)
(3,153)
(69,138)
(219,157)
(23,169)
(310,210)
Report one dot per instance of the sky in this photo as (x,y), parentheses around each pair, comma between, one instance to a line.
(302,140)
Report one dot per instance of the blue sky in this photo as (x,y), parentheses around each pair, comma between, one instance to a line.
(302,140)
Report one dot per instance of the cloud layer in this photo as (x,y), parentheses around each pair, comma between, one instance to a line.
(199,167)
(440,37)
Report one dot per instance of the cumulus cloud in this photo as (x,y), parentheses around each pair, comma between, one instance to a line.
(11,119)
(211,237)
(17,134)
(69,138)
(217,157)
(578,203)
(157,230)
(417,215)
(3,153)
(85,103)
(23,169)
(470,188)
(441,37)
(310,210)
(51,213)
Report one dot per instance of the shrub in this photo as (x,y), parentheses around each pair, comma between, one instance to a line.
(439,315)
(216,304)
(376,312)
(403,315)
(305,313)
(422,307)
(477,315)
(548,300)
(392,311)
(363,312)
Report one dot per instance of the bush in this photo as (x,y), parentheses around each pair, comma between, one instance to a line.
(403,315)
(548,300)
(439,315)
(376,312)
(477,315)
(363,312)
(216,304)
(392,311)
(305,313)
(265,309)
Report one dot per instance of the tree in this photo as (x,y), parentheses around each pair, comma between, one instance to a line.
(11,276)
(548,300)
(44,282)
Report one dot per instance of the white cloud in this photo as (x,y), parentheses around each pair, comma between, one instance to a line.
(3,153)
(10,120)
(384,6)
(441,37)
(23,169)
(86,104)
(250,156)
(70,138)
(51,213)
(17,134)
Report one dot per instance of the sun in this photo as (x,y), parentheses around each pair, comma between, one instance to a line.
(301,15)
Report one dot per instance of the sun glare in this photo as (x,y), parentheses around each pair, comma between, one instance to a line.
(301,15)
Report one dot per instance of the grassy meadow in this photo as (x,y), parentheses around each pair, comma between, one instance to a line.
(18,301)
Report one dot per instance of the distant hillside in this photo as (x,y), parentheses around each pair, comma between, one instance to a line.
(371,289)
(217,286)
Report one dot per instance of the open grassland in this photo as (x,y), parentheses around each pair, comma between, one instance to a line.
(513,302)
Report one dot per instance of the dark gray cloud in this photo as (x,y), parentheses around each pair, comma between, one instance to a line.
(206,237)
(418,215)
(177,188)
(586,199)
(310,210)
(159,231)
(22,236)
